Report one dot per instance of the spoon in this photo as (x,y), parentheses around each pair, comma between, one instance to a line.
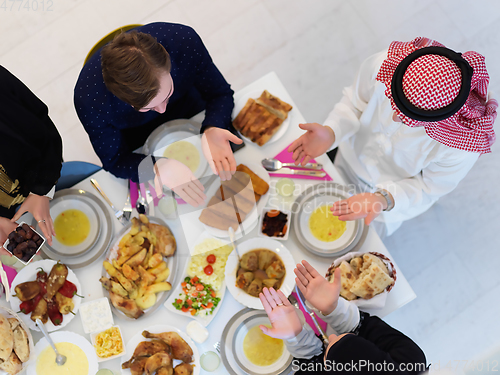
(295,303)
(141,205)
(274,165)
(231,237)
(60,359)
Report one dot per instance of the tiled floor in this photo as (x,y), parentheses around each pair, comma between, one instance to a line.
(450,254)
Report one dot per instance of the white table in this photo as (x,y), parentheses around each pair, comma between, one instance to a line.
(116,190)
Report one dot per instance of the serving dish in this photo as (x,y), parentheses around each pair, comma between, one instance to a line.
(252,244)
(93,337)
(313,197)
(73,338)
(204,320)
(104,237)
(171,262)
(6,244)
(138,338)
(238,106)
(28,273)
(231,351)
(288,223)
(8,313)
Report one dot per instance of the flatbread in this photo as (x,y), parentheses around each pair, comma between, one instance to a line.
(368,259)
(371,282)
(12,365)
(21,344)
(6,339)
(346,281)
(356,264)
(259,185)
(14,323)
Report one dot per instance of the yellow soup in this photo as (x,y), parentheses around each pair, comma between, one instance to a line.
(324,226)
(76,363)
(260,349)
(72,227)
(184,152)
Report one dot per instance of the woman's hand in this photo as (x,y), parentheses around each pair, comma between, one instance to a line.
(320,293)
(217,151)
(39,207)
(6,226)
(284,319)
(364,205)
(180,179)
(315,142)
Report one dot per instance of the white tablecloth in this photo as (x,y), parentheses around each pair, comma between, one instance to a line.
(116,190)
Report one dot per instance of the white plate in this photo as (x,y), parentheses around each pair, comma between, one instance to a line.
(254,95)
(195,140)
(242,359)
(73,338)
(103,240)
(138,338)
(252,219)
(306,212)
(112,253)
(288,223)
(206,319)
(84,206)
(8,313)
(253,244)
(28,273)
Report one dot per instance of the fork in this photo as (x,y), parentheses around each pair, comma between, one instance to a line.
(118,213)
(217,346)
(127,208)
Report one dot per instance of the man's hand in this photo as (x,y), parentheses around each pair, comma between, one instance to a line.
(315,142)
(364,205)
(321,293)
(217,151)
(6,226)
(180,179)
(284,319)
(39,207)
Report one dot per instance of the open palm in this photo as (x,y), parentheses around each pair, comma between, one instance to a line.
(284,319)
(315,142)
(320,293)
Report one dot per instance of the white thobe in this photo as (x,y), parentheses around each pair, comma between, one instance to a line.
(377,152)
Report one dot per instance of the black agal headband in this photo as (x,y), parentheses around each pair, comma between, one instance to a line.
(420,114)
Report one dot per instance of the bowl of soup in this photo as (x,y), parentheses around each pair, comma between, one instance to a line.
(77,227)
(81,357)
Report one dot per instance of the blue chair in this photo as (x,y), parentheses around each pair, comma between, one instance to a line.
(72,172)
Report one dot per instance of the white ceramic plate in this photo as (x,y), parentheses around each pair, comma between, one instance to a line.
(254,95)
(73,338)
(78,204)
(253,244)
(195,140)
(306,212)
(8,313)
(92,340)
(205,319)
(112,253)
(240,356)
(288,223)
(252,219)
(138,338)
(28,273)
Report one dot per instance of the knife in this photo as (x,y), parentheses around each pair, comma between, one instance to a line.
(311,314)
(300,172)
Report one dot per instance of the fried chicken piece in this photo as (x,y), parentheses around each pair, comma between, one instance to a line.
(183,369)
(149,348)
(136,365)
(156,361)
(180,348)
(165,371)
(125,305)
(165,240)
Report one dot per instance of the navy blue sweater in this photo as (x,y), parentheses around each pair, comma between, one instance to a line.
(105,117)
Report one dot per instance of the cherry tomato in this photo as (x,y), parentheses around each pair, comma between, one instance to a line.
(184,309)
(211,259)
(208,270)
(179,301)
(194,280)
(189,302)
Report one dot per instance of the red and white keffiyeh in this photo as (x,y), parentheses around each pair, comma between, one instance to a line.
(432,82)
